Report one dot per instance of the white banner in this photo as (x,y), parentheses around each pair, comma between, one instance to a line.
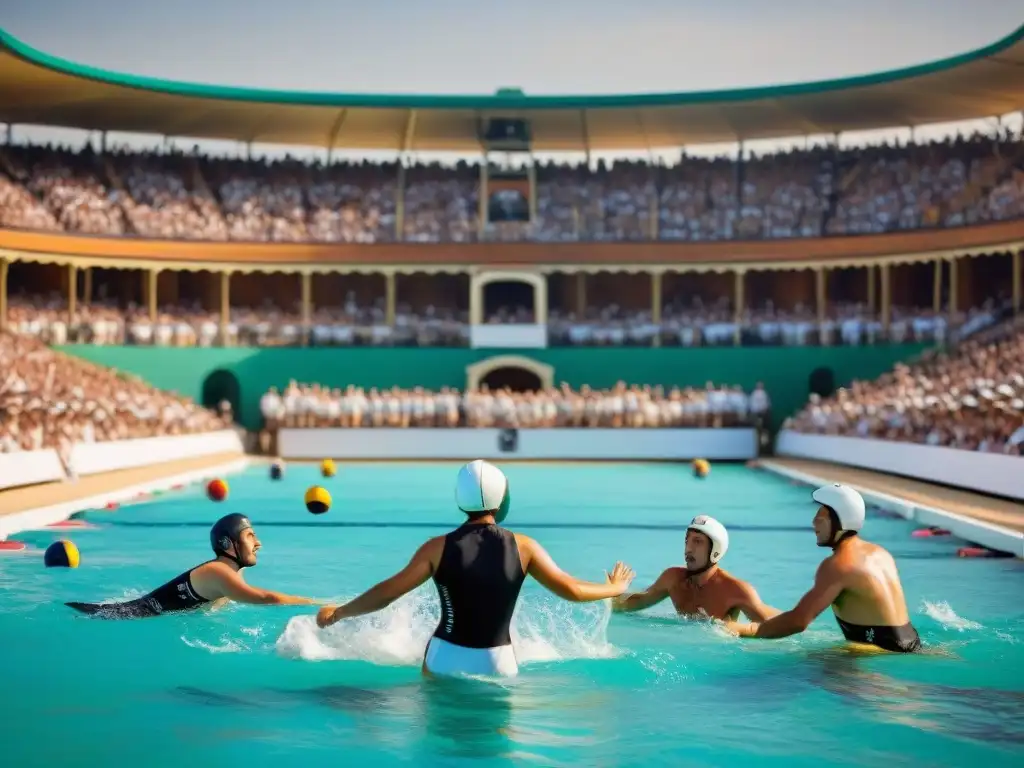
(29,468)
(983,472)
(508,336)
(93,458)
(555,444)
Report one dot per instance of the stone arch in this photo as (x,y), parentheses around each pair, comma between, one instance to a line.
(476,293)
(476,372)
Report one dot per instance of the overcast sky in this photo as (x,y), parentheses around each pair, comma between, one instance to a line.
(542,46)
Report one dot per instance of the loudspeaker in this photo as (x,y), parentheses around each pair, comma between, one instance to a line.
(508,440)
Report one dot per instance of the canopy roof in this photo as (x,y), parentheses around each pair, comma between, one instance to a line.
(38,88)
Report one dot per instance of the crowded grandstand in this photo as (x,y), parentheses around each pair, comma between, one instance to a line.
(794,199)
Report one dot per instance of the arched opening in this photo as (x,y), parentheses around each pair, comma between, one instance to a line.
(510,302)
(222,386)
(822,381)
(512,377)
(514,371)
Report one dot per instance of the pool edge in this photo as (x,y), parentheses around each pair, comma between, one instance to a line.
(990,535)
(40,517)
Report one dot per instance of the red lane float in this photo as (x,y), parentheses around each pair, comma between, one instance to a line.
(77,524)
(927,533)
(975,552)
(12,546)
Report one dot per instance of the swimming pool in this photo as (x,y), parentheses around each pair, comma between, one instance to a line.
(262,686)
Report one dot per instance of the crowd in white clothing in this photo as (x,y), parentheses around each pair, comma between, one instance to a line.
(50,400)
(316,405)
(971,397)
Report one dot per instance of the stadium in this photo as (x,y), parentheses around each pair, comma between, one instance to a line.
(820,315)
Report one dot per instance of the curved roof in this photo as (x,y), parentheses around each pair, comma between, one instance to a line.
(38,88)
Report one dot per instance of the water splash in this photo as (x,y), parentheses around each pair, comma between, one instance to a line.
(227,644)
(944,614)
(542,631)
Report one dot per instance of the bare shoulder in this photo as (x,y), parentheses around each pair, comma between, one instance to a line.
(835,566)
(736,583)
(214,569)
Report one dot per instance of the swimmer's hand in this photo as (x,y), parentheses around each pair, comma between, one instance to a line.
(621,576)
(325,616)
(741,630)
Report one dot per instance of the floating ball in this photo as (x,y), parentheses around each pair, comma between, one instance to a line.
(61,554)
(276,470)
(217,490)
(701,468)
(327,468)
(318,500)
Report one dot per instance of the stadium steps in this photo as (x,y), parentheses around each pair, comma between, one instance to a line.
(7,166)
(197,180)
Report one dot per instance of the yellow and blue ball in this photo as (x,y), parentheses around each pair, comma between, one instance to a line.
(62,554)
(701,468)
(318,500)
(327,468)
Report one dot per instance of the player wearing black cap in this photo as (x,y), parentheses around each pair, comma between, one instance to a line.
(235,545)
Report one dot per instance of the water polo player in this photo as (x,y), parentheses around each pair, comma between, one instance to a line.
(235,545)
(702,587)
(479,569)
(859,580)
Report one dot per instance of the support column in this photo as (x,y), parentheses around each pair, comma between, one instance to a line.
(581,294)
(481,225)
(307,305)
(540,301)
(1016,281)
(476,300)
(400,204)
(871,289)
(72,292)
(953,288)
(886,299)
(937,286)
(820,300)
(389,299)
(738,305)
(4,264)
(151,293)
(225,306)
(656,305)
(87,288)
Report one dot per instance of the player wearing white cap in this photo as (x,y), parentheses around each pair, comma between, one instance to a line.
(859,580)
(702,588)
(479,569)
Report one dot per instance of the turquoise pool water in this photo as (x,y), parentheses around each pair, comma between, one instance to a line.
(262,686)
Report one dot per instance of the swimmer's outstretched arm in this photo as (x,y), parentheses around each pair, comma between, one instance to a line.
(753,608)
(828,584)
(638,601)
(419,569)
(540,566)
(215,580)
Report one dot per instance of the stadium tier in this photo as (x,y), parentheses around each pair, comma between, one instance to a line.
(192,270)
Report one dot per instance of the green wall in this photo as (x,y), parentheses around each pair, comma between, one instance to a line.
(784,370)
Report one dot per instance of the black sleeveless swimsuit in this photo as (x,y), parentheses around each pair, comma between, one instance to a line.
(178,594)
(478,580)
(896,639)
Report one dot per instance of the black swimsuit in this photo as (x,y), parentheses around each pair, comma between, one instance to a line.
(897,639)
(178,594)
(478,581)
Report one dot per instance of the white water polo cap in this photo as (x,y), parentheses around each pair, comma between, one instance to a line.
(715,531)
(846,503)
(482,487)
